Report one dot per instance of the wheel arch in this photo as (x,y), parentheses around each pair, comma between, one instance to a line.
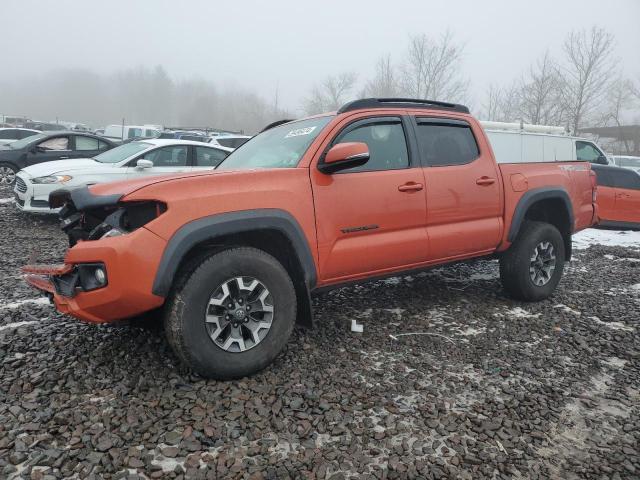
(548,204)
(272,230)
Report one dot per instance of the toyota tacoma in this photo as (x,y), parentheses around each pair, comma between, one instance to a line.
(230,258)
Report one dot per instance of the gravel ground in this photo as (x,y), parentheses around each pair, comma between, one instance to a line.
(488,387)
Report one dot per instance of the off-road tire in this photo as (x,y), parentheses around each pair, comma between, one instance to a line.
(184,321)
(515,263)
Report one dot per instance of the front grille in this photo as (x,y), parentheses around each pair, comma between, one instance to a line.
(21,186)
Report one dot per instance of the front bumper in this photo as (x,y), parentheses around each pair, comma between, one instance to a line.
(130,262)
(31,197)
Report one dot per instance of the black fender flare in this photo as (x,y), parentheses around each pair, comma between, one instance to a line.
(208,228)
(533,196)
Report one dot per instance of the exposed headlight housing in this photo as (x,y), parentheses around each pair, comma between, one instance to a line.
(51,179)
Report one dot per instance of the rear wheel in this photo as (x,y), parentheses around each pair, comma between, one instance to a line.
(532,267)
(232,315)
(7,174)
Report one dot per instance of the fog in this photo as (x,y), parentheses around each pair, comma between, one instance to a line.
(238,65)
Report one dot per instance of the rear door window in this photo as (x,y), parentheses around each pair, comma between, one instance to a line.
(209,157)
(445,142)
(174,156)
(86,143)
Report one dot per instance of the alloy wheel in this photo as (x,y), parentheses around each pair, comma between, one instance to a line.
(7,176)
(239,314)
(542,264)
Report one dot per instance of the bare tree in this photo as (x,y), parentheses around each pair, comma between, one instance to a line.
(620,99)
(491,109)
(540,102)
(432,69)
(588,61)
(331,94)
(384,82)
(502,104)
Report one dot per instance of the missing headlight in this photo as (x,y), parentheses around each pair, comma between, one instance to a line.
(110,221)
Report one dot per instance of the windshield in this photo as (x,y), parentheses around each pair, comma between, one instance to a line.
(18,144)
(122,152)
(628,162)
(278,147)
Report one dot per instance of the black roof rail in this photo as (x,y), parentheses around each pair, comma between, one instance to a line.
(401,103)
(276,124)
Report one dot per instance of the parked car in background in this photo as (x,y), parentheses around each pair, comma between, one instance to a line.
(627,161)
(99,131)
(379,188)
(10,135)
(230,141)
(618,197)
(45,126)
(130,160)
(522,143)
(130,132)
(45,147)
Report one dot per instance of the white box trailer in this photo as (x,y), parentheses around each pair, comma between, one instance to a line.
(523,143)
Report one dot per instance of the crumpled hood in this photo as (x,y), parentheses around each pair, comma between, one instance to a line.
(63,166)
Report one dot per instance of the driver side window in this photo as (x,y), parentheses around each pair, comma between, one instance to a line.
(57,143)
(174,156)
(386,142)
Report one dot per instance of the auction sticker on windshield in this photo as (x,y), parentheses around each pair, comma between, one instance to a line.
(300,131)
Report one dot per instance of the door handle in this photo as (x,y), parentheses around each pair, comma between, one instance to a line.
(411,187)
(63,158)
(485,181)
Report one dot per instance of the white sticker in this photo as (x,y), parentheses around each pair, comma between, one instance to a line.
(300,131)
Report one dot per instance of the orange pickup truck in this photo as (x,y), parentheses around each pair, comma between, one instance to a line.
(231,257)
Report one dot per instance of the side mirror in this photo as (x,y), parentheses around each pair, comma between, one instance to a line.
(602,160)
(343,156)
(142,163)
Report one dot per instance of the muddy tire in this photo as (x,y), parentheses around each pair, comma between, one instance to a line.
(532,267)
(231,315)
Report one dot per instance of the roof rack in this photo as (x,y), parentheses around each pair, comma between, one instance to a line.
(401,103)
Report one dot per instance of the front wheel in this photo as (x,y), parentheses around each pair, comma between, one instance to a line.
(231,315)
(531,268)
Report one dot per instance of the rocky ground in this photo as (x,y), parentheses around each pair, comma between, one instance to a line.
(450,379)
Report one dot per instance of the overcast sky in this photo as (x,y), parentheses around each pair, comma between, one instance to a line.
(287,44)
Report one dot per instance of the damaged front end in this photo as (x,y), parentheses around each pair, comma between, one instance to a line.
(86,217)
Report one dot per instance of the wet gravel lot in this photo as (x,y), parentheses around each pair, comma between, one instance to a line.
(487,387)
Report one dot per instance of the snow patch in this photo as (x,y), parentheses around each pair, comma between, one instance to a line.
(16,325)
(18,304)
(613,325)
(518,312)
(567,309)
(610,238)
(7,200)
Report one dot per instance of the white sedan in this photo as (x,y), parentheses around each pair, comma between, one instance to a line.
(135,159)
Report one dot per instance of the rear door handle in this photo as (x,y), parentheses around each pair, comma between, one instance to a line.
(484,181)
(411,187)
(63,158)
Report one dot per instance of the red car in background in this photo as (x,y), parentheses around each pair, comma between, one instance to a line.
(618,197)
